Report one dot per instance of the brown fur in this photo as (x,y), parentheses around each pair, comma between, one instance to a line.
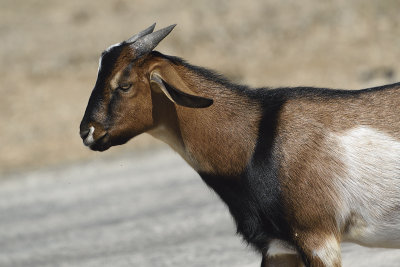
(228,127)
(310,162)
(186,129)
(131,119)
(308,153)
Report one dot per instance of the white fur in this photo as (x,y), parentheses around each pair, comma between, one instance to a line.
(89,139)
(279,247)
(112,46)
(329,252)
(370,190)
(99,67)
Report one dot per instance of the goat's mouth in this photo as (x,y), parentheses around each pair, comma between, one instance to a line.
(101,144)
(97,143)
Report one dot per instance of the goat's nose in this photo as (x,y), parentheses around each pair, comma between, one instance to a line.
(84,133)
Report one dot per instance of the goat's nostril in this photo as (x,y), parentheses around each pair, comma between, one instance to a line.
(84,133)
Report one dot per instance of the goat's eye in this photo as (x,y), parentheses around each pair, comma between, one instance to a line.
(124,87)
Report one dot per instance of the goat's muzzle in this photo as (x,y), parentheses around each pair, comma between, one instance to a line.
(95,137)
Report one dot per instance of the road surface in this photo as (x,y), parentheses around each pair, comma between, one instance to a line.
(147,209)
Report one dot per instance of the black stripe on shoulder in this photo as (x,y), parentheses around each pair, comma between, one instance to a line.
(254,198)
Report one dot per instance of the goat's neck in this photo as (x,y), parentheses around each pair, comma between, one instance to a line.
(219,139)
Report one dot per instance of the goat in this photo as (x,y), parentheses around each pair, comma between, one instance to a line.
(300,169)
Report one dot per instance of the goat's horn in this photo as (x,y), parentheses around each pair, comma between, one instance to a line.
(141,34)
(148,42)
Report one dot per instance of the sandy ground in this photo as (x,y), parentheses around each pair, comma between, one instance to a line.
(49,54)
(142,210)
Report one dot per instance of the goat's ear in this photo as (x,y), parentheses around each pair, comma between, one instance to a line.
(177,91)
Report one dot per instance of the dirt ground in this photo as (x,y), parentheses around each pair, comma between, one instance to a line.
(49,54)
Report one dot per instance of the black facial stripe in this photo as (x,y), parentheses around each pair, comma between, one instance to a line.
(95,104)
(108,60)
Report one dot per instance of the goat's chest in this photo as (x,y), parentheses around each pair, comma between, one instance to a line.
(255,205)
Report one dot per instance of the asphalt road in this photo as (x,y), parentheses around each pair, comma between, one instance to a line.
(146,209)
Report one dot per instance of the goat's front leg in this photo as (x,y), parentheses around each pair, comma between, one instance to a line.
(320,250)
(314,250)
(282,260)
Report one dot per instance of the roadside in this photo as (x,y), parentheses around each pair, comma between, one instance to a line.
(142,209)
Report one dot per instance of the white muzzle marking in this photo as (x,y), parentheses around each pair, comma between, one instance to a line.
(89,140)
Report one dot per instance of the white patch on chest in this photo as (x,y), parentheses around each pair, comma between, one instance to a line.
(370,190)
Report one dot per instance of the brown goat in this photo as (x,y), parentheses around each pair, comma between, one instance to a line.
(300,169)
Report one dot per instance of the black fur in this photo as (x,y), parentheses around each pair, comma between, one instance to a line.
(108,60)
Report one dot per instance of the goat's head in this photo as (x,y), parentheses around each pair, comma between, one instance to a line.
(121,105)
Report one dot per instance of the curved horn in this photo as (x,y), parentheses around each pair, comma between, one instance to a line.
(148,42)
(141,34)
